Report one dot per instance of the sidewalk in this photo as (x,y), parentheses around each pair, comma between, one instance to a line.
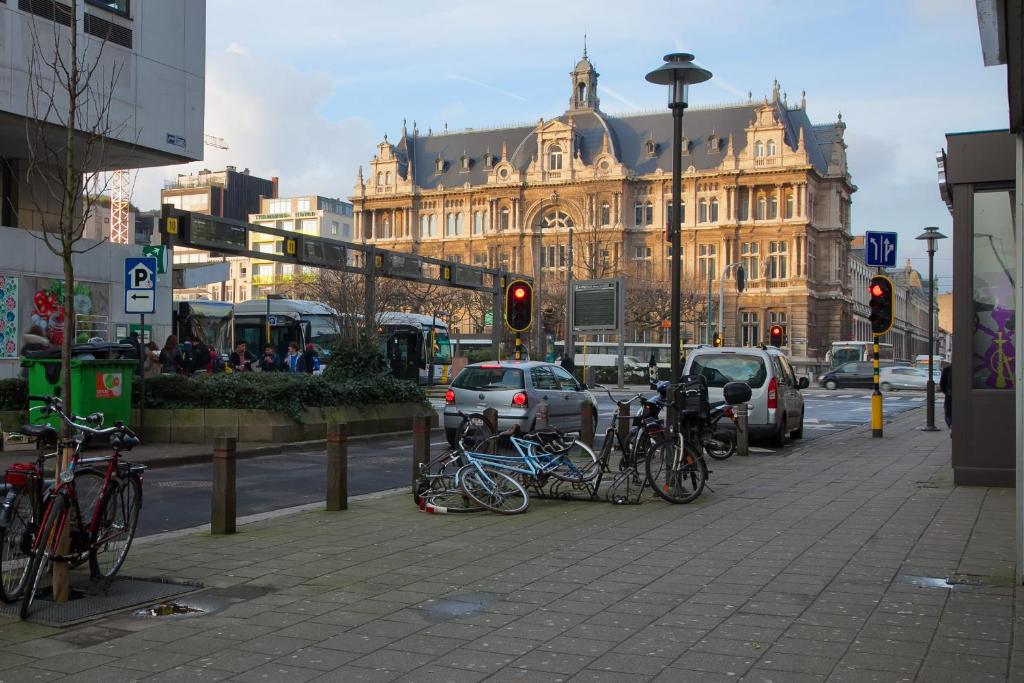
(807,566)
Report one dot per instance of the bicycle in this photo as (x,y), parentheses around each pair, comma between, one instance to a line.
(437,490)
(101,534)
(675,467)
(24,490)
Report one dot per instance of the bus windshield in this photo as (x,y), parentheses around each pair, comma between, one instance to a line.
(323,330)
(846,354)
(442,348)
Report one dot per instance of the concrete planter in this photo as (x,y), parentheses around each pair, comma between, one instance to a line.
(12,420)
(199,425)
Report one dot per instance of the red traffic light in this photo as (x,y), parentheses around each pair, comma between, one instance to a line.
(519,306)
(876,290)
(519,292)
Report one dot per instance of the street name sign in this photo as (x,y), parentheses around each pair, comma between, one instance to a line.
(880,248)
(140,285)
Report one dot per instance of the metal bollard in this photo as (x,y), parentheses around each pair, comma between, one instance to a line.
(742,435)
(587,424)
(337,468)
(420,445)
(590,376)
(222,513)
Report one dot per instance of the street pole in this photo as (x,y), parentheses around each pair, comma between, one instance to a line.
(430,367)
(675,229)
(709,318)
(876,396)
(570,343)
(721,301)
(930,394)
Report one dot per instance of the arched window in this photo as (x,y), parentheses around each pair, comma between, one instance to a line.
(554,158)
(762,208)
(505,222)
(556,219)
(582,89)
(789,204)
(458,224)
(638,213)
(478,223)
(385,228)
(773,206)
(380,178)
(439,165)
(702,211)
(606,213)
(758,149)
(771,148)
(449,229)
(387,178)
(425,226)
(648,213)
(713,210)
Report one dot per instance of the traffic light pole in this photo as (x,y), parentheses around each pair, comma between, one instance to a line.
(876,397)
(519,347)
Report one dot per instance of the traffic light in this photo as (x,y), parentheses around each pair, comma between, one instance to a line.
(717,341)
(519,305)
(775,335)
(881,304)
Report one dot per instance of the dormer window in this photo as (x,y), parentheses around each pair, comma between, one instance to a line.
(489,160)
(714,143)
(465,162)
(758,149)
(652,148)
(686,146)
(770,148)
(439,165)
(554,158)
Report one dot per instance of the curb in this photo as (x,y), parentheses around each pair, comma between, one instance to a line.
(261,451)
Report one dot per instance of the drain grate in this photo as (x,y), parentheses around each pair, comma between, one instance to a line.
(91,600)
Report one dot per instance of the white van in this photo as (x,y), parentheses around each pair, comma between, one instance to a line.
(609,360)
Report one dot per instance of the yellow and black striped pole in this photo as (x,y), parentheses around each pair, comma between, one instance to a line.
(519,347)
(876,397)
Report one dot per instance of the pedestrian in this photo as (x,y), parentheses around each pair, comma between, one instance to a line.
(567,363)
(310,361)
(291,361)
(200,358)
(946,387)
(171,362)
(652,369)
(241,360)
(151,360)
(270,362)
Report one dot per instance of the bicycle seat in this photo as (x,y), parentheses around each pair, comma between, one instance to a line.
(44,432)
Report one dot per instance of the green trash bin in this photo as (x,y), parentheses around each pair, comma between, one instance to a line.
(97,385)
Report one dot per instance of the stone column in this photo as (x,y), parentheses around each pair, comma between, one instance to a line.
(373,224)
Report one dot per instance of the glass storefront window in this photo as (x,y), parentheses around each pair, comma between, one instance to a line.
(995,276)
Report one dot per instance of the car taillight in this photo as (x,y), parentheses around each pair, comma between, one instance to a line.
(449,396)
(519,399)
(773,394)
(728,412)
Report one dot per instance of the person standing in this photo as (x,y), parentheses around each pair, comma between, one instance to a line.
(309,362)
(151,362)
(567,363)
(652,369)
(270,361)
(171,362)
(241,360)
(291,361)
(946,387)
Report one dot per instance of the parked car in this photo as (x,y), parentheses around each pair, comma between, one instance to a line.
(856,374)
(776,405)
(893,378)
(517,389)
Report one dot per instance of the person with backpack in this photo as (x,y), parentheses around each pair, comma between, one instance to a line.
(291,361)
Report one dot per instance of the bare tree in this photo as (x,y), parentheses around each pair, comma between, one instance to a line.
(70,97)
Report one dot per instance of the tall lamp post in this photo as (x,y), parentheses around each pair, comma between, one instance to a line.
(678,73)
(932,235)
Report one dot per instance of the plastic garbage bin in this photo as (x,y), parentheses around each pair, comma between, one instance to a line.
(100,382)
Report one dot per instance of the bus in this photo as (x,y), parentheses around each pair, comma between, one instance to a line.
(291,320)
(209,322)
(848,351)
(414,343)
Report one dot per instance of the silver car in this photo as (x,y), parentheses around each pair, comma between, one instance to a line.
(899,377)
(776,407)
(517,390)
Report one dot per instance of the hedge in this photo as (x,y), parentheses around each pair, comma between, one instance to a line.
(281,392)
(13,394)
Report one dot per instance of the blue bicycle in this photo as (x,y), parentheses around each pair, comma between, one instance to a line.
(490,480)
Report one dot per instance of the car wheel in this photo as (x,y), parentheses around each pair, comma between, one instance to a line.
(831,385)
(779,438)
(798,433)
(885,386)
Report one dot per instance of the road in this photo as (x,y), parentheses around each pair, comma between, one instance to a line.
(179,497)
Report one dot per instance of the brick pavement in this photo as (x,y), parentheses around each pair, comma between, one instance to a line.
(796,568)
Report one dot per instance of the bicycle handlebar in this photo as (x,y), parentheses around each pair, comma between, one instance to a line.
(615,400)
(54,404)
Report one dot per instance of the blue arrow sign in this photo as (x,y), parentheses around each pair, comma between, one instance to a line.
(140,285)
(880,249)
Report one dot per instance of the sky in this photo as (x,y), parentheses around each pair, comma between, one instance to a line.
(306,90)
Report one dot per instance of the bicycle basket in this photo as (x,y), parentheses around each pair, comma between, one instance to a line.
(692,397)
(18,473)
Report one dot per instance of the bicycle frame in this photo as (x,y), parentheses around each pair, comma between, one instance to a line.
(533,463)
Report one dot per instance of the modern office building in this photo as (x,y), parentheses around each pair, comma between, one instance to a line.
(309,215)
(155,118)
(229,193)
(763,185)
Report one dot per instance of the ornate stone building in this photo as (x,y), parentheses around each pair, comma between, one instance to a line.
(761,185)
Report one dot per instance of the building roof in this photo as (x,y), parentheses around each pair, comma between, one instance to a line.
(627,137)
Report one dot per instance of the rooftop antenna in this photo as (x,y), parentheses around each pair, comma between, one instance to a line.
(584,45)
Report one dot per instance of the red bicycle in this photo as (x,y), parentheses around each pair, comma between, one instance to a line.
(100,525)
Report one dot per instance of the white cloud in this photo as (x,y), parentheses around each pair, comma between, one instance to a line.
(269,115)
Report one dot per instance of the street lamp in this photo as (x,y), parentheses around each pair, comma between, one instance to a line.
(932,235)
(678,73)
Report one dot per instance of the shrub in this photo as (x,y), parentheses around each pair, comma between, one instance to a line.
(479,356)
(287,393)
(13,394)
(356,359)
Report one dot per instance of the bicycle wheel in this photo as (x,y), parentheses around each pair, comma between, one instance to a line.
(438,475)
(115,527)
(88,492)
(641,444)
(574,462)
(720,446)
(474,430)
(15,544)
(493,490)
(44,546)
(675,471)
(451,501)
(606,450)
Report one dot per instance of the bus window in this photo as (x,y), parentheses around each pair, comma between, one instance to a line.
(442,348)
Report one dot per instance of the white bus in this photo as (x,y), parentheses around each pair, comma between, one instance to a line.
(291,320)
(413,344)
(853,351)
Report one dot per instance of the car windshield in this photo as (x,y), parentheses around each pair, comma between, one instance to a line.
(720,370)
(494,378)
